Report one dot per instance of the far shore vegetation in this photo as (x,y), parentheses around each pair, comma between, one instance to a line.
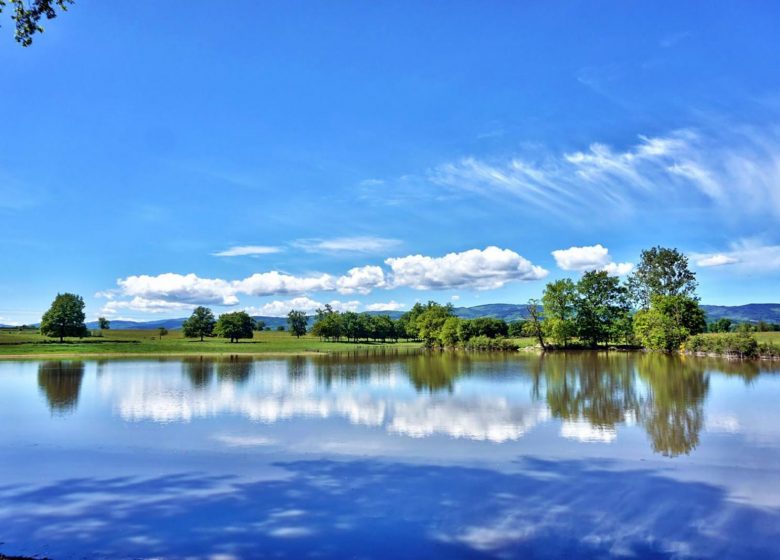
(656,308)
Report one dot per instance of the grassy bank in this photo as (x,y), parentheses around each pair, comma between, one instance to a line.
(123,342)
(765,345)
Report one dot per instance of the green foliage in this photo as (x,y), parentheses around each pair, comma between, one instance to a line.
(28,14)
(485,343)
(199,324)
(720,326)
(430,322)
(669,321)
(235,326)
(162,331)
(448,335)
(661,271)
(559,302)
(516,329)
(259,325)
(601,302)
(533,326)
(65,317)
(656,331)
(740,344)
(104,324)
(297,321)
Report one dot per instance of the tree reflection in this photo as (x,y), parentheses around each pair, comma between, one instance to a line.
(599,387)
(664,393)
(60,382)
(673,413)
(198,370)
(237,369)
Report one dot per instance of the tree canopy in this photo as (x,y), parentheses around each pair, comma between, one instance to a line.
(200,323)
(297,322)
(65,317)
(661,271)
(235,326)
(27,15)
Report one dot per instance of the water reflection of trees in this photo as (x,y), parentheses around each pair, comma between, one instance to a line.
(237,369)
(665,394)
(198,370)
(673,413)
(60,382)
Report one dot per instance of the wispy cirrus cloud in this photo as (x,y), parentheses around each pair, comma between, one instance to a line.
(358,244)
(247,250)
(745,255)
(737,171)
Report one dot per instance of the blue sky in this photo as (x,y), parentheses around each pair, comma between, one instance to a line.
(287,154)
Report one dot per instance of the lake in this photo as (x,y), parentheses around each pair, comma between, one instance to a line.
(391,455)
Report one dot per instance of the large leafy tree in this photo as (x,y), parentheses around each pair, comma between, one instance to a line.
(601,303)
(297,322)
(668,322)
(200,323)
(65,317)
(235,326)
(559,301)
(27,15)
(661,271)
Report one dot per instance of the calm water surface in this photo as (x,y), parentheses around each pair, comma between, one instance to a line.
(391,456)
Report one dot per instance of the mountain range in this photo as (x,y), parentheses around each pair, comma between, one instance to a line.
(752,313)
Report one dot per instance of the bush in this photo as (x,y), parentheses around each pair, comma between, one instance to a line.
(482,342)
(742,344)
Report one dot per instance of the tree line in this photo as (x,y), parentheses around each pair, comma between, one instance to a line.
(656,307)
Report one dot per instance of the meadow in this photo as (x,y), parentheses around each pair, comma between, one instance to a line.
(113,342)
(14,342)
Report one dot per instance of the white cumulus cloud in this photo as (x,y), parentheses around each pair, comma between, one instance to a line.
(182,288)
(386,306)
(590,257)
(281,308)
(143,305)
(716,259)
(361,280)
(582,258)
(272,283)
(477,269)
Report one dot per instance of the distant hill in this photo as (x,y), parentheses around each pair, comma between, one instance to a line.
(752,312)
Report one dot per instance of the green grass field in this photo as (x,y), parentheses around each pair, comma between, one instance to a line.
(120,342)
(14,343)
(771,337)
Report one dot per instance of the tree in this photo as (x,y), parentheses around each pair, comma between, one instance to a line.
(668,322)
(721,325)
(65,317)
(533,327)
(104,324)
(297,322)
(162,331)
(235,325)
(448,336)
(201,323)
(28,13)
(259,325)
(431,320)
(664,272)
(601,303)
(559,301)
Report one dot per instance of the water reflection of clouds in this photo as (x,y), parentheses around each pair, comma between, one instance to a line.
(271,398)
